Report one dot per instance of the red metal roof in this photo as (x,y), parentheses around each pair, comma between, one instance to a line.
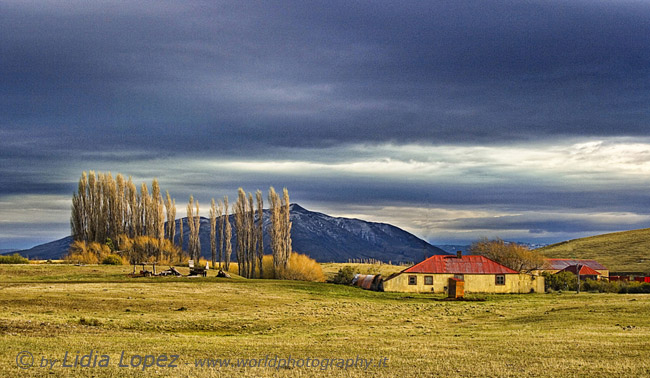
(560,264)
(584,270)
(473,264)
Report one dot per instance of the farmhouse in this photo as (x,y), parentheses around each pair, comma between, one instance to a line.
(480,275)
(587,267)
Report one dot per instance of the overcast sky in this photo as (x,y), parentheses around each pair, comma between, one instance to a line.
(525,120)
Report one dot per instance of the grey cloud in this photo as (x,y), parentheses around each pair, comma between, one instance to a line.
(235,75)
(134,86)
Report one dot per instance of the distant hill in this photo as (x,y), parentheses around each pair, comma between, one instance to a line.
(323,237)
(626,251)
(53,250)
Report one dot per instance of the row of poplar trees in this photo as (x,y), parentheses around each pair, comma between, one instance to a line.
(104,208)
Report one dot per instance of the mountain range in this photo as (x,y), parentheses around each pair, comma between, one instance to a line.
(322,237)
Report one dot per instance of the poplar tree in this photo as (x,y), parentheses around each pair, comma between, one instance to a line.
(91,206)
(213,232)
(220,232)
(286,228)
(227,237)
(194,222)
(134,210)
(180,233)
(260,231)
(240,221)
(252,237)
(197,229)
(280,230)
(170,207)
(275,230)
(190,226)
(78,219)
(121,206)
(158,213)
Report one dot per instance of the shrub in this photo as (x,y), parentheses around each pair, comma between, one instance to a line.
(601,286)
(344,276)
(80,253)
(112,259)
(14,259)
(303,268)
(560,281)
(635,288)
(142,249)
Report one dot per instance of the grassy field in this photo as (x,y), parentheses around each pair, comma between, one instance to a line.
(49,310)
(627,251)
(330,269)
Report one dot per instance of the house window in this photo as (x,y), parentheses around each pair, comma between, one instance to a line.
(500,279)
(459,277)
(413,280)
(428,280)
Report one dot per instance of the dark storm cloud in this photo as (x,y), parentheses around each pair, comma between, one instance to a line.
(232,75)
(156,88)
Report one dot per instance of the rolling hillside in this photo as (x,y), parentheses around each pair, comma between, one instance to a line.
(627,251)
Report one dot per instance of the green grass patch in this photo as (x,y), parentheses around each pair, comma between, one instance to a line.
(421,335)
(625,251)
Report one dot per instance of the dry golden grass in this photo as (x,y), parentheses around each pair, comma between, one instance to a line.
(625,251)
(50,309)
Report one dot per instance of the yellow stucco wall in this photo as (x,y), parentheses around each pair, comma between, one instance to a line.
(474,283)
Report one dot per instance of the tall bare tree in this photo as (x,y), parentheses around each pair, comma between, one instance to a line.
(222,232)
(170,208)
(194,222)
(180,233)
(260,231)
(275,208)
(213,232)
(121,206)
(134,209)
(286,227)
(252,237)
(227,237)
(240,226)
(280,230)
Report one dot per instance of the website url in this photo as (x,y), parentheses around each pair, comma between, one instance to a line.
(287,362)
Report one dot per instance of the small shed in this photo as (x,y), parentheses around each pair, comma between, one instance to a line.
(585,271)
(555,265)
(372,282)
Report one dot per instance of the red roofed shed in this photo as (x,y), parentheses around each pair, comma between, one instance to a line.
(557,265)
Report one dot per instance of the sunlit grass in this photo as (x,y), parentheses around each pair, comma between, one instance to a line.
(625,251)
(50,309)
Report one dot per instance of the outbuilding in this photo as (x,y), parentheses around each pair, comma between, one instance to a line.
(479,274)
(595,268)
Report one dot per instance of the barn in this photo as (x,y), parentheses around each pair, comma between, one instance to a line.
(480,275)
(587,267)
